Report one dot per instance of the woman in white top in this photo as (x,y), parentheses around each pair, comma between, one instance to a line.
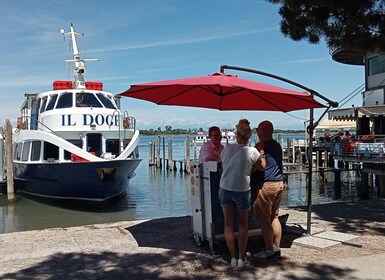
(238,161)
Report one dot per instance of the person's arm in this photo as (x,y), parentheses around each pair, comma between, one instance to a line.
(260,165)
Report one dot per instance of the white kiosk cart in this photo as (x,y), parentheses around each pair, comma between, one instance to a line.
(207,216)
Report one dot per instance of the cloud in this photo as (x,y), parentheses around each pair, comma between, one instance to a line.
(183,41)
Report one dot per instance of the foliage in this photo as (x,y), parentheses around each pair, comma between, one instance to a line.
(191,131)
(358,24)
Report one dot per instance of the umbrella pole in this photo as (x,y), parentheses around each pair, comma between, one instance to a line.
(310,131)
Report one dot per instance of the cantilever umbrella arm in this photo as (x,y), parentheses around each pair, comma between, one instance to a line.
(310,128)
(311,91)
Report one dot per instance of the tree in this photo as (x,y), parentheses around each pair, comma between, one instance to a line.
(168,127)
(355,24)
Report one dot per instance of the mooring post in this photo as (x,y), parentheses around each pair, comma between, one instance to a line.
(187,153)
(9,161)
(158,161)
(150,158)
(364,186)
(169,153)
(337,184)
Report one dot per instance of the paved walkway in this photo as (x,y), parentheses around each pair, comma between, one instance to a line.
(165,249)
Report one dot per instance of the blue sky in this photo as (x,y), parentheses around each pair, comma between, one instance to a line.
(151,40)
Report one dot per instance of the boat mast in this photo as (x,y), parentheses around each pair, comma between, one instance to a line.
(77,63)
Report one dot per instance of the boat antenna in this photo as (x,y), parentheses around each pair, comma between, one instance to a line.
(76,63)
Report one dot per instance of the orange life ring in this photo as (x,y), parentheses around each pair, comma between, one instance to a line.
(18,122)
(126,122)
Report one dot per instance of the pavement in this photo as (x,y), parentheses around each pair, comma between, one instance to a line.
(165,249)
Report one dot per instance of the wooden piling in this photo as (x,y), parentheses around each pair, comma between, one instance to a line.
(9,161)
(150,154)
(337,184)
(381,188)
(170,167)
(158,161)
(187,153)
(364,186)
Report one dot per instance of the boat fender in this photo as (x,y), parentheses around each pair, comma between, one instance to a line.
(18,122)
(126,122)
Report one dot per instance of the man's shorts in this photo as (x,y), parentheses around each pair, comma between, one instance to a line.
(239,200)
(266,206)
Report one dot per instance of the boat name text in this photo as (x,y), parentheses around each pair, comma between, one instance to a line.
(99,119)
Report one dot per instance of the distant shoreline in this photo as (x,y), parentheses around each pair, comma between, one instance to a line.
(153,132)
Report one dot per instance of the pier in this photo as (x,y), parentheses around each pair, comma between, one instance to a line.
(157,155)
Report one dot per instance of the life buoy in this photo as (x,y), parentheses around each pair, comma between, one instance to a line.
(126,122)
(18,122)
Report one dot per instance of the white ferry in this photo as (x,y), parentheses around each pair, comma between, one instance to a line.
(73,143)
(228,137)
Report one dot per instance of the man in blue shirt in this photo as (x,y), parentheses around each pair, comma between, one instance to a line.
(269,184)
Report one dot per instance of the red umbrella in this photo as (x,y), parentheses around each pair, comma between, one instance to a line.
(222,92)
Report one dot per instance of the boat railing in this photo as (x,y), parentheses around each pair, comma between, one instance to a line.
(360,146)
(30,123)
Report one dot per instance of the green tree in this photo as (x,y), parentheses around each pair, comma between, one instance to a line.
(168,127)
(358,24)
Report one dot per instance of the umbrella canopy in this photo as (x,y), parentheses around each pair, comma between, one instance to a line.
(222,92)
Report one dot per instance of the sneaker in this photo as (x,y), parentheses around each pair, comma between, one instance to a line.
(268,255)
(242,263)
(234,262)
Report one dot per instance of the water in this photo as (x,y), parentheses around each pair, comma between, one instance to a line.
(152,193)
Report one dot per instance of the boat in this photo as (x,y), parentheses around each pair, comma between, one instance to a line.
(73,143)
(200,138)
(228,137)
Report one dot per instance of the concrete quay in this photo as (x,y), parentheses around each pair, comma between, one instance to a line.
(164,249)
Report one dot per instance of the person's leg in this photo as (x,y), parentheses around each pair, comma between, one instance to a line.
(262,211)
(276,224)
(228,213)
(267,233)
(277,232)
(243,233)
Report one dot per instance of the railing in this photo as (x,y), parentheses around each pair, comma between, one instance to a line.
(361,147)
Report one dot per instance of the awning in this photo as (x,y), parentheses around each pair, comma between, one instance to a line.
(350,114)
(335,124)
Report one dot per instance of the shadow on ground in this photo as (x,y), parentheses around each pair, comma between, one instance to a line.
(170,265)
(167,251)
(364,217)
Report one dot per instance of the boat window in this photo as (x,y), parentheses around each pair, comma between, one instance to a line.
(107,102)
(76,142)
(112,146)
(94,143)
(35,152)
(43,104)
(376,64)
(51,151)
(65,100)
(26,148)
(18,151)
(87,99)
(51,103)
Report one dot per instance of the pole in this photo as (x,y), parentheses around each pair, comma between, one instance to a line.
(310,172)
(9,161)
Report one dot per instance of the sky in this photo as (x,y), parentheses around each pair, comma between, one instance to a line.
(139,41)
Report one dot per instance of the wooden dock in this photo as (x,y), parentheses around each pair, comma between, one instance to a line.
(167,162)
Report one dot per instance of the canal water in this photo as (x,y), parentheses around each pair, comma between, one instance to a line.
(153,193)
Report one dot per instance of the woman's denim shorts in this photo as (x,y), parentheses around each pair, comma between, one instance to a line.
(239,200)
